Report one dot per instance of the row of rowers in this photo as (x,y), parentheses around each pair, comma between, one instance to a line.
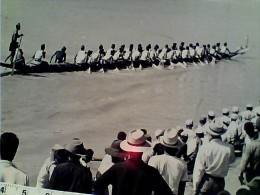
(233,125)
(167,55)
(141,58)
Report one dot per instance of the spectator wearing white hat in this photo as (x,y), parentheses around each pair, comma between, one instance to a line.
(57,155)
(231,135)
(225,116)
(114,154)
(157,147)
(133,176)
(72,175)
(212,162)
(249,108)
(172,169)
(235,110)
(200,129)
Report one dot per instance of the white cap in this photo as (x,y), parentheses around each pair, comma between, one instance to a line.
(211,113)
(189,122)
(235,109)
(225,111)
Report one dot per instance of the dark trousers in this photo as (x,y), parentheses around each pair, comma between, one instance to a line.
(211,185)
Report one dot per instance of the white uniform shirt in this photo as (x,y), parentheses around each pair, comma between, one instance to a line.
(154,54)
(184,53)
(213,158)
(198,51)
(38,55)
(81,57)
(172,169)
(10,174)
(135,54)
(231,133)
(223,49)
(192,52)
(144,55)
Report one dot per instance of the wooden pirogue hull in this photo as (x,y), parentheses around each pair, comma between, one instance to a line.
(46,68)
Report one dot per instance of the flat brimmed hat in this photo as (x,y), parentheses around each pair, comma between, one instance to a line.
(235,109)
(215,127)
(249,106)
(57,147)
(225,111)
(135,142)
(170,138)
(115,150)
(199,130)
(211,113)
(75,146)
(189,122)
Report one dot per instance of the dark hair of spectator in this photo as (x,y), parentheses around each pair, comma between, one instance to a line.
(121,135)
(171,151)
(224,192)
(249,129)
(243,191)
(9,144)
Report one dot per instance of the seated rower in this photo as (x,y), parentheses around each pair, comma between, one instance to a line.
(226,53)
(128,57)
(39,55)
(96,62)
(18,57)
(60,56)
(145,60)
(136,57)
(198,52)
(80,57)
(154,56)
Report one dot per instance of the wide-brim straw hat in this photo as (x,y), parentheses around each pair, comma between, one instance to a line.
(75,146)
(215,127)
(135,142)
(170,138)
(115,150)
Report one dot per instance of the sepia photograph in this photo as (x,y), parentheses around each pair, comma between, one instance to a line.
(130,97)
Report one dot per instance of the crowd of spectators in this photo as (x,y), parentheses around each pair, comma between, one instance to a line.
(160,163)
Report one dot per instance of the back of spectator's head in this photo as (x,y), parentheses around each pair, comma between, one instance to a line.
(254,185)
(82,48)
(42,46)
(224,192)
(243,191)
(61,156)
(9,144)
(121,135)
(203,120)
(249,129)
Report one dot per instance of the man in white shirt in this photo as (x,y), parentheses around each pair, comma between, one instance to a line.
(172,169)
(9,172)
(39,56)
(212,161)
(80,57)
